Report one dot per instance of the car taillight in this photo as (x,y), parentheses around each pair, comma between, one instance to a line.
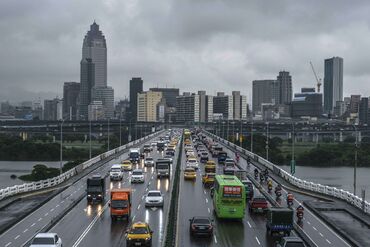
(193,227)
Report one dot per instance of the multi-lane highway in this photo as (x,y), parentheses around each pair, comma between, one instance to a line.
(91,225)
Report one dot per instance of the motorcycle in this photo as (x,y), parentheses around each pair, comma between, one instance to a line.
(255,175)
(262,178)
(300,216)
(289,202)
(278,194)
(269,187)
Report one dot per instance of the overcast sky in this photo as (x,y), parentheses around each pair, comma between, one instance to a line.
(191,44)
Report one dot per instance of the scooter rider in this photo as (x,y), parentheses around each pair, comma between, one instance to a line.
(300,211)
(278,190)
(289,199)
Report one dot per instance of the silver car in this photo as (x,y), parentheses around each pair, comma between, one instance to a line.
(154,198)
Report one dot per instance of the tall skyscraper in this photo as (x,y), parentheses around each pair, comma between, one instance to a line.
(87,78)
(95,47)
(284,83)
(71,90)
(263,92)
(333,83)
(106,96)
(136,86)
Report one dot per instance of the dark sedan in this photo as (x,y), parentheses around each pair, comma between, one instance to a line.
(201,226)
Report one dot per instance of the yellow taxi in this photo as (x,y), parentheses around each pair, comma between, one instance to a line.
(139,234)
(126,165)
(208,179)
(210,166)
(187,142)
(190,173)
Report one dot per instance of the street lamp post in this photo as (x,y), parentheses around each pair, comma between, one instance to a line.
(90,140)
(355,168)
(267,142)
(61,147)
(252,136)
(108,135)
(120,132)
(292,165)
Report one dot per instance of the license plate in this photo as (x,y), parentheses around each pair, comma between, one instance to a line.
(281,233)
(259,208)
(137,244)
(202,228)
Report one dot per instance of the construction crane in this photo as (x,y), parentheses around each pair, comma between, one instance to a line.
(317,79)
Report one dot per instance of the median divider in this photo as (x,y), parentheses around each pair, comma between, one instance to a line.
(170,234)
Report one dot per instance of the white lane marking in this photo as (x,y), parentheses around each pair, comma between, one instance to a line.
(209,211)
(57,205)
(8,244)
(328,241)
(133,218)
(51,210)
(25,230)
(138,207)
(40,219)
(83,235)
(33,224)
(314,228)
(17,237)
(249,224)
(321,234)
(205,192)
(62,201)
(258,241)
(308,222)
(206,200)
(46,214)
(214,237)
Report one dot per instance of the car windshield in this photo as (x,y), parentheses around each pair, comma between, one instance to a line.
(94,189)
(115,170)
(150,159)
(259,199)
(192,161)
(119,204)
(154,194)
(201,221)
(137,173)
(42,241)
(139,230)
(134,155)
(189,170)
(162,166)
(294,244)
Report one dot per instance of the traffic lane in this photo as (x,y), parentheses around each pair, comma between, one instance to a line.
(192,202)
(115,232)
(226,232)
(319,232)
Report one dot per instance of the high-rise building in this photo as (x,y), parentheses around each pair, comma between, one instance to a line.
(205,107)
(364,111)
(308,103)
(87,79)
(96,111)
(121,109)
(71,91)
(187,108)
(285,90)
(169,94)
(106,96)
(236,105)
(264,91)
(223,104)
(354,103)
(147,103)
(53,109)
(333,83)
(95,47)
(136,86)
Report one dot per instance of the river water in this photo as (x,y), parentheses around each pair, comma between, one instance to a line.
(7,168)
(340,177)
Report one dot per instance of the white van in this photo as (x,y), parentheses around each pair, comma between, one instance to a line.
(116,172)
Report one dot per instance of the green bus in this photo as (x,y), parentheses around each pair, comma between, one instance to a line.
(229,197)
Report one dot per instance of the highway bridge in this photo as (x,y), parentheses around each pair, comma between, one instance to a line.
(80,224)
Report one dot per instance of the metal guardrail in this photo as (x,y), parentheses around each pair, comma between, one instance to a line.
(300,183)
(51,182)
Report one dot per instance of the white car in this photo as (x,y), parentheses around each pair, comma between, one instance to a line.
(154,198)
(192,162)
(46,240)
(149,161)
(116,172)
(154,144)
(137,176)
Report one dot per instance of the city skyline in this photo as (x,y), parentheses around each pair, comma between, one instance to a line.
(221,53)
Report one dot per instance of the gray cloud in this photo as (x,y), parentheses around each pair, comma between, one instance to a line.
(193,44)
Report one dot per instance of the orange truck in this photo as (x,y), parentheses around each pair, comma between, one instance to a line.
(120,203)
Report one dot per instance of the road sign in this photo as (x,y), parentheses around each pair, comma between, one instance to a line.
(292,167)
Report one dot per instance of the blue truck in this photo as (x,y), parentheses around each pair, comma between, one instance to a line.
(279,221)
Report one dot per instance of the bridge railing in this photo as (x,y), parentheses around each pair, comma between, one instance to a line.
(300,183)
(51,182)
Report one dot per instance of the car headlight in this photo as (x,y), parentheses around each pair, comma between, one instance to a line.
(88,195)
(146,239)
(129,239)
(99,195)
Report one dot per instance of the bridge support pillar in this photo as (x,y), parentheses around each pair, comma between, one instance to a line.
(341,136)
(359,136)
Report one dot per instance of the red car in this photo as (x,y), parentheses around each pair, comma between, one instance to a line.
(258,205)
